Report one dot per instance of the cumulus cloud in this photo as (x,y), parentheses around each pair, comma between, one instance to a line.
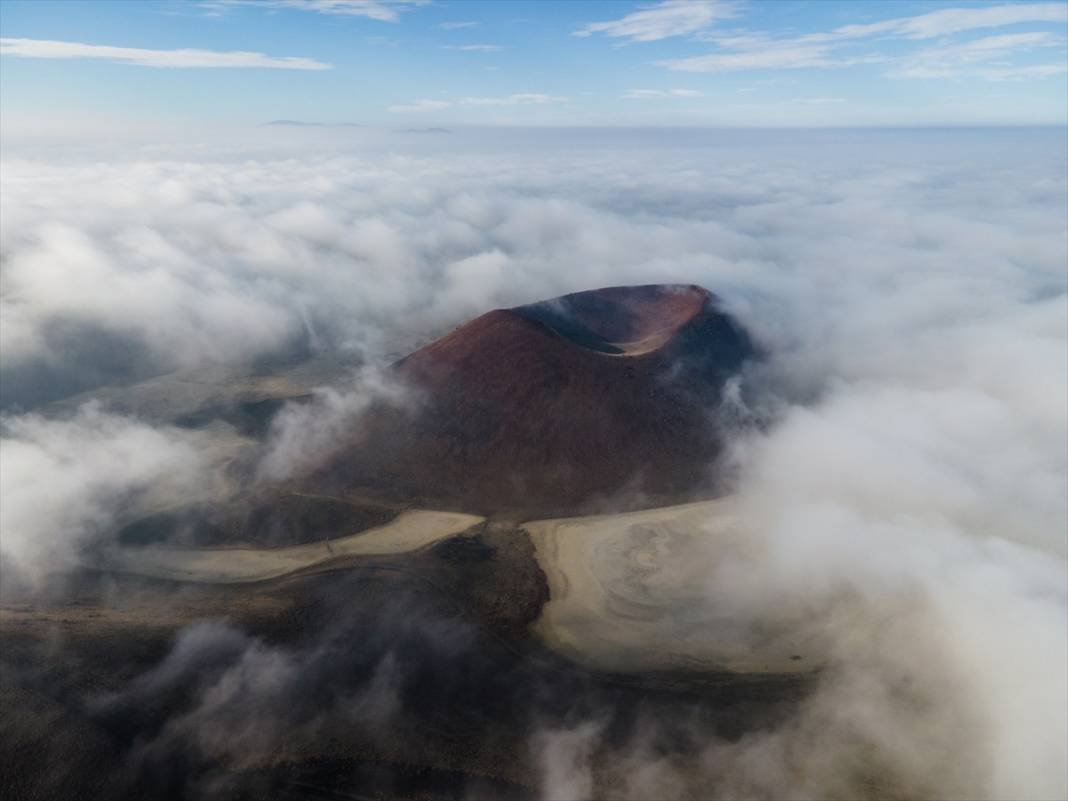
(923,543)
(65,484)
(185,58)
(118,270)
(883,530)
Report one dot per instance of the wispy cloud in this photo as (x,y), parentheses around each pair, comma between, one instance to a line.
(518,99)
(838,48)
(818,101)
(172,59)
(1022,73)
(988,73)
(381,10)
(666,19)
(654,94)
(982,58)
(766,54)
(956,20)
(476,48)
(992,46)
(455,26)
(419,106)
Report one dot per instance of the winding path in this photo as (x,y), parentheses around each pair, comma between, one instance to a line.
(409,531)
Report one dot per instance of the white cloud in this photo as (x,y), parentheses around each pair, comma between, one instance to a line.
(518,99)
(455,26)
(300,434)
(664,20)
(419,106)
(476,48)
(183,58)
(990,47)
(837,48)
(381,10)
(774,55)
(564,757)
(206,262)
(654,94)
(1022,73)
(984,58)
(65,482)
(956,20)
(991,73)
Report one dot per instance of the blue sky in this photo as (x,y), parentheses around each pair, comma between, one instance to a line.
(413,63)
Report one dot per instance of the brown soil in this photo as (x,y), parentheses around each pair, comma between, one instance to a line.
(597,398)
(267,521)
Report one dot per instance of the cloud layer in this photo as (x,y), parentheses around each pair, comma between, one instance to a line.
(907,497)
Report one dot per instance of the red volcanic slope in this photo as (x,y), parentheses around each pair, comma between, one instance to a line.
(556,406)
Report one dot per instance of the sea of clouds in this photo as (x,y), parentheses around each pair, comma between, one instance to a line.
(909,501)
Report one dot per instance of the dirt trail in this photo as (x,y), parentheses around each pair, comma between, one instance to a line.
(409,531)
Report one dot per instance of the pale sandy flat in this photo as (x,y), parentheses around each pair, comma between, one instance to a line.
(408,532)
(635,592)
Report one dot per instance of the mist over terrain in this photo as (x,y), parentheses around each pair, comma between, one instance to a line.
(905,481)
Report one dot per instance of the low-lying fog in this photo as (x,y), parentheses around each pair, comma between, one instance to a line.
(908,502)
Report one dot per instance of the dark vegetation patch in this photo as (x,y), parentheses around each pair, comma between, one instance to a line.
(389,677)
